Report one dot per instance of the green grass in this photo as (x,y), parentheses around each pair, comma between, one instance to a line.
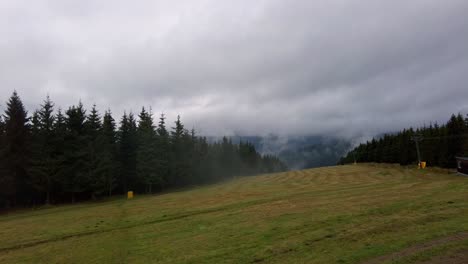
(345,214)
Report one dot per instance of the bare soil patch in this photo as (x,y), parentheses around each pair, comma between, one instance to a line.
(460,257)
(423,247)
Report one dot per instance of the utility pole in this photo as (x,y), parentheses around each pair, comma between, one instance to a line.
(416,139)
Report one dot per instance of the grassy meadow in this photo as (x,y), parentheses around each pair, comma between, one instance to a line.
(344,214)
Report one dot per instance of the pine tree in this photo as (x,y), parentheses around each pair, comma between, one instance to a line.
(15,154)
(2,135)
(228,157)
(77,175)
(163,151)
(196,157)
(179,163)
(107,160)
(60,151)
(93,132)
(2,131)
(465,139)
(455,133)
(127,152)
(146,152)
(93,124)
(44,165)
(204,166)
(405,140)
(249,157)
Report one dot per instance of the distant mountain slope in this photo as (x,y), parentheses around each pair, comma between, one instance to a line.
(299,152)
(323,153)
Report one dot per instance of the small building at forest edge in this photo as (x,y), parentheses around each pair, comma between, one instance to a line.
(462,165)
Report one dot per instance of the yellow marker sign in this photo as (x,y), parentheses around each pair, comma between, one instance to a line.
(422,164)
(130,195)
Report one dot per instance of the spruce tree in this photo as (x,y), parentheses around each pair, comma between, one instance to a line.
(455,132)
(2,135)
(107,160)
(465,139)
(2,127)
(204,164)
(127,152)
(93,132)
(146,152)
(227,158)
(93,124)
(179,162)
(189,155)
(196,158)
(2,132)
(60,151)
(163,151)
(45,163)
(77,175)
(15,154)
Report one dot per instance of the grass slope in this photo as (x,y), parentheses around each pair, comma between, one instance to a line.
(345,214)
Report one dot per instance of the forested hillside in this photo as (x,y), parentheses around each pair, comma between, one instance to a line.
(59,156)
(298,151)
(324,152)
(439,145)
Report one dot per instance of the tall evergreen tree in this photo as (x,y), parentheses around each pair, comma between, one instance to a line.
(179,162)
(202,170)
(60,131)
(455,137)
(127,152)
(2,131)
(15,153)
(93,133)
(146,151)
(93,124)
(228,156)
(105,180)
(77,174)
(45,162)
(465,138)
(250,157)
(163,151)
(2,135)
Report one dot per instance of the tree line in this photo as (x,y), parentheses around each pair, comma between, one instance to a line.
(58,156)
(439,146)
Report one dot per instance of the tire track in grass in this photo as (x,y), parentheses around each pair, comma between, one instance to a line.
(95,232)
(418,248)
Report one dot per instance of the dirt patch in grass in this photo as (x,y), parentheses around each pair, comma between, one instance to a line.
(423,247)
(460,257)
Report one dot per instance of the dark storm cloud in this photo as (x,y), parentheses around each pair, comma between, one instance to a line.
(250,67)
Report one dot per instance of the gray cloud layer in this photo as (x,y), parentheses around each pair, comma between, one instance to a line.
(248,67)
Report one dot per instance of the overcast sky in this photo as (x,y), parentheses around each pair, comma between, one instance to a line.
(245,67)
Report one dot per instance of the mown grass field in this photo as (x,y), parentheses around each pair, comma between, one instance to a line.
(344,214)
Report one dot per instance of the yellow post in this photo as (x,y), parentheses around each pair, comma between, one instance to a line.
(423,164)
(129,194)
